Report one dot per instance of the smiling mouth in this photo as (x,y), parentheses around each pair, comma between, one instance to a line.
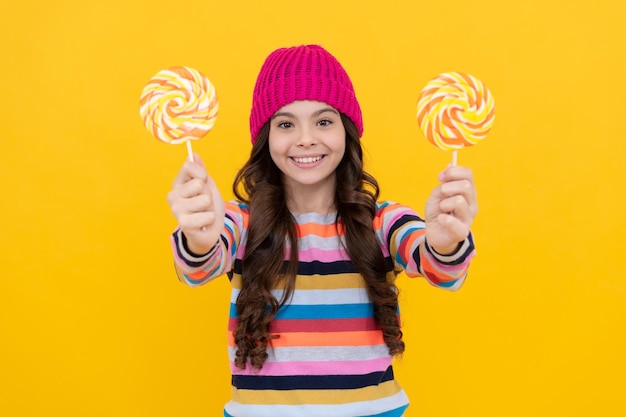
(308,159)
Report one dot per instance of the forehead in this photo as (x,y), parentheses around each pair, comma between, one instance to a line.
(306,107)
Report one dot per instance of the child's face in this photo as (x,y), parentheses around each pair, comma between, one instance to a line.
(307,142)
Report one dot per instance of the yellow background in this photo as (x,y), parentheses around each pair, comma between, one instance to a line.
(93,321)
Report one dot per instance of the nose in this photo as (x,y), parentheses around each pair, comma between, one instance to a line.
(306,138)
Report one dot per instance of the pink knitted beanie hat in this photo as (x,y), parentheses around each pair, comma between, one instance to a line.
(306,72)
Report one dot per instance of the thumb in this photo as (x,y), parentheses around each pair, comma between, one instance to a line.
(198,160)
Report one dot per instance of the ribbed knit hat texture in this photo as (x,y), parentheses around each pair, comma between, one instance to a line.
(306,72)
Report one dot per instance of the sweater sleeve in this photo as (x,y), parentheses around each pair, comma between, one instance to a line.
(403,236)
(193,269)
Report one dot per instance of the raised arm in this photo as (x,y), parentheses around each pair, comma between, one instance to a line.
(197,205)
(439,248)
(451,209)
(199,209)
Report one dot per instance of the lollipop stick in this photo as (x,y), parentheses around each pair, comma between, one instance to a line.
(454,157)
(189,151)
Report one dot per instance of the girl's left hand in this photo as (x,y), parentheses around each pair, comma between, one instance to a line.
(450,209)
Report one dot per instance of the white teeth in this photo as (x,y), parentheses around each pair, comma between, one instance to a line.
(307,160)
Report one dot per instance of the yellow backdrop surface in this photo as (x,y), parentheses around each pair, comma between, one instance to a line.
(93,321)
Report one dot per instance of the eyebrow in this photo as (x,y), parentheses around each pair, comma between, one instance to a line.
(315,114)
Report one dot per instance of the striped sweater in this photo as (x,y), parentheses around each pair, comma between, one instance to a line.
(330,358)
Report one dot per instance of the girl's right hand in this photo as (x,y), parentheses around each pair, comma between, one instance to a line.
(198,206)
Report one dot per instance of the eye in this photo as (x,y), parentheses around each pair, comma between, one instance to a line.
(325,122)
(285,125)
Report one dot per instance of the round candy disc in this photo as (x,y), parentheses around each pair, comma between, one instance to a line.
(178,104)
(455,110)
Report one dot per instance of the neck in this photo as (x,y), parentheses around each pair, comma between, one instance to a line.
(311,200)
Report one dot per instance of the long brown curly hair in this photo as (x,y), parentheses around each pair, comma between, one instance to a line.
(259,184)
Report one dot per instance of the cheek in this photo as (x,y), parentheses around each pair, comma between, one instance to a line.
(341,145)
(277,149)
(273,154)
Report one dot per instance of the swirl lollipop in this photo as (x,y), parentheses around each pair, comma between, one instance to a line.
(179,104)
(455,110)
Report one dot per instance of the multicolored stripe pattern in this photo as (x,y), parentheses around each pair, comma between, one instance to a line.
(329,357)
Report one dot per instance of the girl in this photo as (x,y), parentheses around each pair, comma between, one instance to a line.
(311,254)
